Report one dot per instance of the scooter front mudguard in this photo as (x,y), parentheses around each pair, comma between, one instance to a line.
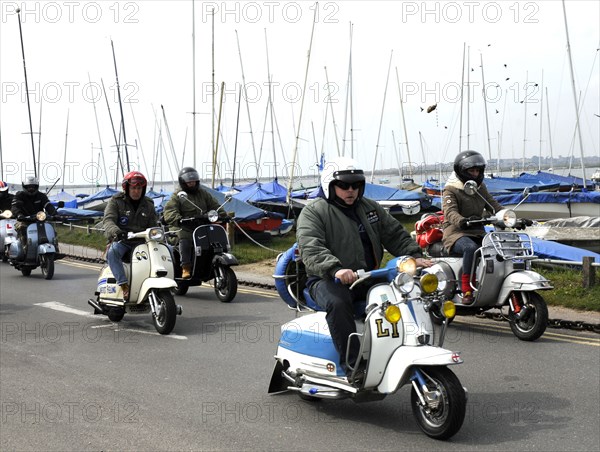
(397,372)
(46,248)
(226,259)
(522,281)
(152,283)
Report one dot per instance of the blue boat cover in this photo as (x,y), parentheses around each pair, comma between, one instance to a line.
(69,199)
(99,196)
(551,197)
(258,192)
(78,213)
(545,177)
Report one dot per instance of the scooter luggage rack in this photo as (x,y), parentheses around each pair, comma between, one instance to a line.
(512,245)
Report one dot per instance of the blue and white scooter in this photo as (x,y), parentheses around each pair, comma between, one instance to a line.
(397,346)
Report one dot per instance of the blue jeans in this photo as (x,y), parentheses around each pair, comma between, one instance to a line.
(467,247)
(114,256)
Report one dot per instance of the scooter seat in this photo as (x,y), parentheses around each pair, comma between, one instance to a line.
(437,250)
(359,307)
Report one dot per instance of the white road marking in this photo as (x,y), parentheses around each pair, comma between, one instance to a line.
(58,306)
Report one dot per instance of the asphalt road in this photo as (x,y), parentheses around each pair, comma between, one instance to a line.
(73,381)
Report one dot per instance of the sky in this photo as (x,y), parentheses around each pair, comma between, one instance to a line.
(341,74)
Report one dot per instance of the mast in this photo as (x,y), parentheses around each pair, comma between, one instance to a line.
(468,97)
(65,153)
(295,154)
(541,121)
(578,128)
(39,163)
(398,159)
(120,107)
(99,137)
(462,89)
(487,123)
(194,80)
(525,120)
(381,118)
(247,103)
(410,175)
(213,87)
(549,129)
(35,172)
(348,102)
(337,143)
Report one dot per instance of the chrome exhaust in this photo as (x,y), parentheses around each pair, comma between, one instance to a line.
(94,304)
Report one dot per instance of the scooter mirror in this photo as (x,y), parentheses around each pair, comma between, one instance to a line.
(471,187)
(6,214)
(182,194)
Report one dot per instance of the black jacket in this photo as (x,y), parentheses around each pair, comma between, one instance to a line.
(6,201)
(25,204)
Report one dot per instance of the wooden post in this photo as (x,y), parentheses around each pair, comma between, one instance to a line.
(231,230)
(589,272)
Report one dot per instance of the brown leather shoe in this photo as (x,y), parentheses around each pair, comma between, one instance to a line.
(186,271)
(125,289)
(467,298)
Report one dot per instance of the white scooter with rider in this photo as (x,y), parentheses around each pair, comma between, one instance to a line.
(502,275)
(398,345)
(149,270)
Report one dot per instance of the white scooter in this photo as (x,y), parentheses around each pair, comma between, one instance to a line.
(149,270)
(8,233)
(503,275)
(397,347)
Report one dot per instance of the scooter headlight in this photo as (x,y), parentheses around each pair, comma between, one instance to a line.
(407,264)
(392,314)
(40,216)
(404,283)
(449,309)
(429,283)
(156,234)
(212,216)
(508,216)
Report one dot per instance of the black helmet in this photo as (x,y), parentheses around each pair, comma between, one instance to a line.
(466,160)
(188,174)
(31,184)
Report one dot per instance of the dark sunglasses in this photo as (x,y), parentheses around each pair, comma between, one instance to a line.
(346,186)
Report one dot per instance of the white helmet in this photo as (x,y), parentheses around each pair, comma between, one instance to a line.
(342,169)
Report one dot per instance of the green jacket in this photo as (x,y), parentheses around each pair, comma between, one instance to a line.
(119,215)
(177,208)
(329,241)
(457,205)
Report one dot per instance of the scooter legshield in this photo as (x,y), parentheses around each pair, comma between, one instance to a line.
(398,369)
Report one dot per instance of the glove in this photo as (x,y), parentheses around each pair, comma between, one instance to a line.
(526,221)
(121,235)
(523,223)
(20,217)
(463,223)
(184,221)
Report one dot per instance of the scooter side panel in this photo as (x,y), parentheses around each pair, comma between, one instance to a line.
(46,248)
(306,343)
(397,372)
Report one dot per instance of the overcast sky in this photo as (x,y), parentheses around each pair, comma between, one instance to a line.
(68,41)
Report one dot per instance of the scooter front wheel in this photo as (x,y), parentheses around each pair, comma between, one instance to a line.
(443,416)
(164,320)
(225,284)
(47,265)
(533,318)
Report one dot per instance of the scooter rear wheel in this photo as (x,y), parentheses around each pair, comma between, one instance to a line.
(447,418)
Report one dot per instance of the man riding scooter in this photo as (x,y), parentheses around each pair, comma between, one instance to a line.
(196,202)
(29,202)
(129,211)
(5,197)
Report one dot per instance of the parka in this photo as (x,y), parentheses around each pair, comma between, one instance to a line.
(329,240)
(177,208)
(120,216)
(457,205)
